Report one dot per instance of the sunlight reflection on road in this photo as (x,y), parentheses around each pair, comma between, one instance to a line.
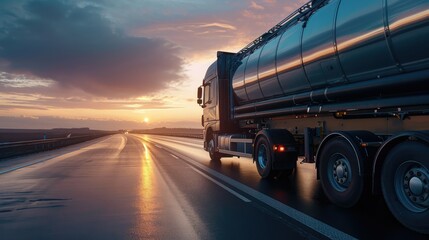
(147,204)
(160,204)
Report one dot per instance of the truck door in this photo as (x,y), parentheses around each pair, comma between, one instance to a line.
(210,103)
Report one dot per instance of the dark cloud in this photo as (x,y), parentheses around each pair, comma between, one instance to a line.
(79,47)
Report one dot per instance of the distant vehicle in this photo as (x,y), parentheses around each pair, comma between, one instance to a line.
(344,84)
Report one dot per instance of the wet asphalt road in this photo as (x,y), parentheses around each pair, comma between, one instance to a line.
(156,187)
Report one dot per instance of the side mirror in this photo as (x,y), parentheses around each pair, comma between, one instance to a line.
(200,95)
(200,92)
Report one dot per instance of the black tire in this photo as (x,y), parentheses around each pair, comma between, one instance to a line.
(339,173)
(214,156)
(405,184)
(264,158)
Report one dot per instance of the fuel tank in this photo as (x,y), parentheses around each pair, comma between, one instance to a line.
(335,51)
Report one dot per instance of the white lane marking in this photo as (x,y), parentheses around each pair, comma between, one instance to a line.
(156,145)
(299,216)
(217,182)
(243,198)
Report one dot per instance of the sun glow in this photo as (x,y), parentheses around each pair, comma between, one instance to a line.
(146,120)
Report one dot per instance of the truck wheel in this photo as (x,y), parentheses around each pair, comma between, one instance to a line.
(214,156)
(264,158)
(339,173)
(405,184)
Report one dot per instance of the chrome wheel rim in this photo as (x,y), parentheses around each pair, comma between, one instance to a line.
(211,146)
(339,172)
(262,156)
(412,186)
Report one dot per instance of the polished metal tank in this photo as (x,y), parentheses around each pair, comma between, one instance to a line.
(342,42)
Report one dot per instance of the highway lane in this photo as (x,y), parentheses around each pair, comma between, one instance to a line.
(129,187)
(301,191)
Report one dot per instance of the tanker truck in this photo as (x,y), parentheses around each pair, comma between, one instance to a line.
(343,84)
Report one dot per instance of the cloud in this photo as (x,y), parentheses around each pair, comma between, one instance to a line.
(84,63)
(8,80)
(226,29)
(35,122)
(256,6)
(79,47)
(24,100)
(219,25)
(45,122)
(28,107)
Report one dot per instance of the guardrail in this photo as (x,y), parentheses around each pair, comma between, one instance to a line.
(13,149)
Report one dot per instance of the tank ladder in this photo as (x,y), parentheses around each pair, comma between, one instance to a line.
(303,11)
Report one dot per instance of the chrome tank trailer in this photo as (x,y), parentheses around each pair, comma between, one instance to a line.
(344,84)
(333,52)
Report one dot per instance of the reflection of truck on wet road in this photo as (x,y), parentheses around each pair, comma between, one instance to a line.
(344,84)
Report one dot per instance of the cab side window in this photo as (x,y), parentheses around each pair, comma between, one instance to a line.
(207,94)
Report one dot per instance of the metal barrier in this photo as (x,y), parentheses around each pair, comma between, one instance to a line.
(13,149)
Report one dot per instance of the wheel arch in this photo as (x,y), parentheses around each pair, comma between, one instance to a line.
(354,138)
(274,136)
(207,133)
(383,151)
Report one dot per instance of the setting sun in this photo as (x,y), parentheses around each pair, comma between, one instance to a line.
(146,120)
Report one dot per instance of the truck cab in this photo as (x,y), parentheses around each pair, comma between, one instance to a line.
(214,96)
(210,99)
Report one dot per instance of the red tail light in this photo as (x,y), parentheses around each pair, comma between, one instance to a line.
(279,148)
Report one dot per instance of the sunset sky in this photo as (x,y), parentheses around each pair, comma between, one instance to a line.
(109,64)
